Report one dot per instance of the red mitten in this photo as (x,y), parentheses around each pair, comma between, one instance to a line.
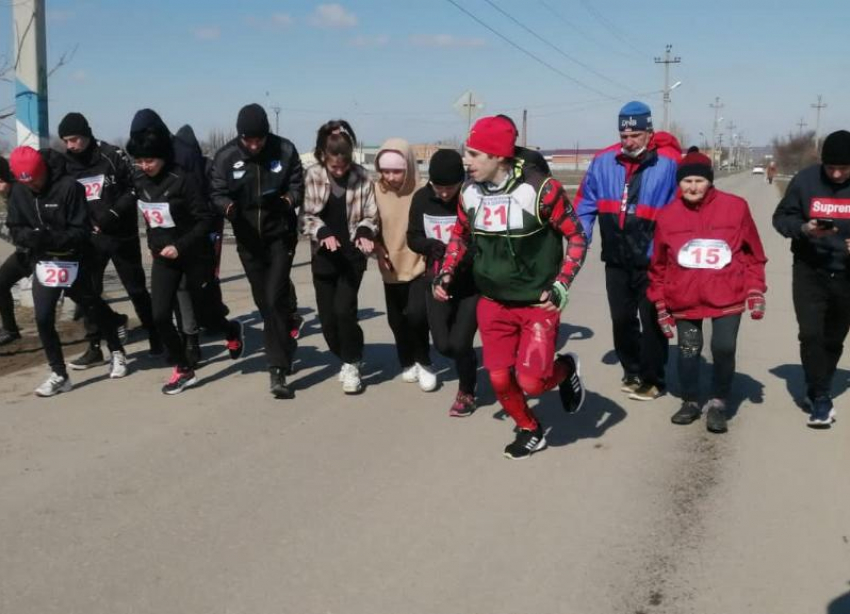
(666,322)
(756,304)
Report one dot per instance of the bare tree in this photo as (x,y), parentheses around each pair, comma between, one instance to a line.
(795,151)
(216,139)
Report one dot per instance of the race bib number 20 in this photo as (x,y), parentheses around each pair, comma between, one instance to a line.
(157,215)
(705,254)
(57,274)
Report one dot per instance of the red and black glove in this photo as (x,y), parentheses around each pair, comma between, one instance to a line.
(756,304)
(666,322)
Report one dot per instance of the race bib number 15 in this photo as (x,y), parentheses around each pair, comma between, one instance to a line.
(57,274)
(157,215)
(705,254)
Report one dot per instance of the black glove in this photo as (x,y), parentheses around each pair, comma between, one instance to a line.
(107,221)
(436,249)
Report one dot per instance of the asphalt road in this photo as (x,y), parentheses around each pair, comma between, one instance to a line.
(117,499)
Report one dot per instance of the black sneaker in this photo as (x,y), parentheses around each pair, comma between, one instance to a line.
(630,383)
(688,412)
(715,416)
(526,444)
(192,346)
(92,357)
(8,336)
(235,344)
(822,415)
(180,380)
(278,386)
(571,389)
(121,327)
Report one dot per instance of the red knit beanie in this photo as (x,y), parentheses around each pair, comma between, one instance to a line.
(26,164)
(695,165)
(493,135)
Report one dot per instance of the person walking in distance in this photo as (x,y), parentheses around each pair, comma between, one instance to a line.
(708,263)
(258,183)
(398,179)
(626,186)
(47,220)
(433,215)
(517,223)
(815,215)
(341,218)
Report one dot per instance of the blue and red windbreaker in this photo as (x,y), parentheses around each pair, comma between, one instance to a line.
(627,201)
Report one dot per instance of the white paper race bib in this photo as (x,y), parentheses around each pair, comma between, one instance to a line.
(493,212)
(705,254)
(157,215)
(56,274)
(93,186)
(439,227)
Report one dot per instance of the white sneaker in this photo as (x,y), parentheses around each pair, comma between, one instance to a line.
(54,385)
(358,365)
(427,378)
(351,383)
(118,365)
(411,374)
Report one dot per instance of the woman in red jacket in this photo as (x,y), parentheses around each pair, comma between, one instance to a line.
(708,262)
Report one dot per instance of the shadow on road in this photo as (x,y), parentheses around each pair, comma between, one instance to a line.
(840,605)
(570,332)
(795,382)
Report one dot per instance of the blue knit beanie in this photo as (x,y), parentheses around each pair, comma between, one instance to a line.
(635,117)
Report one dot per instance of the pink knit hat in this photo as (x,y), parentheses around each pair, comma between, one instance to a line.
(391,160)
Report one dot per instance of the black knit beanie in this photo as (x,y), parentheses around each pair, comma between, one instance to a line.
(252,122)
(151,143)
(446,168)
(74,124)
(836,149)
(695,165)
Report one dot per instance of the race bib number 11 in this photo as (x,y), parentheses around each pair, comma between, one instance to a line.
(439,227)
(157,215)
(705,254)
(57,274)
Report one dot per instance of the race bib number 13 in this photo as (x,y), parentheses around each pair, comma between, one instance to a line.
(705,254)
(57,274)
(157,215)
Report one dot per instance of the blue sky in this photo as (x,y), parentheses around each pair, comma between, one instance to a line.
(394,68)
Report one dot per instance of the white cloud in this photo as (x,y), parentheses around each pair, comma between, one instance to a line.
(332,16)
(282,19)
(207,33)
(445,41)
(382,40)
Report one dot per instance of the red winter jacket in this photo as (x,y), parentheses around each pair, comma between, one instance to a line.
(708,257)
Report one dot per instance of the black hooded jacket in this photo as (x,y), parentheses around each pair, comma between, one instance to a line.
(265,190)
(52,224)
(106,173)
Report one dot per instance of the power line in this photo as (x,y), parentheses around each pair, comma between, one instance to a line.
(555,47)
(581,32)
(530,54)
(609,26)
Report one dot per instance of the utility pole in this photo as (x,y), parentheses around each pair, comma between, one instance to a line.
(819,105)
(276,110)
(30,59)
(668,59)
(801,124)
(716,105)
(576,155)
(731,126)
(524,127)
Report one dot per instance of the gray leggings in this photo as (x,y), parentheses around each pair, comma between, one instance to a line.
(724,337)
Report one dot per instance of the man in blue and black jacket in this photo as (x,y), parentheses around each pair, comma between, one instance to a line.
(626,186)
